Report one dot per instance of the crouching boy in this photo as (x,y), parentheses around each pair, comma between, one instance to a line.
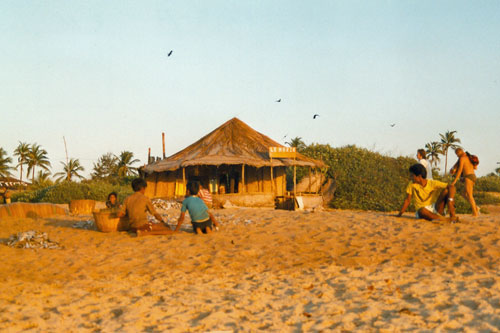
(136,206)
(430,196)
(201,217)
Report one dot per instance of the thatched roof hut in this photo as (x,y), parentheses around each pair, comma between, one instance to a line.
(232,143)
(233,158)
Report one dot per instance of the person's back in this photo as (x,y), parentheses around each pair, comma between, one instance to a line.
(198,210)
(136,206)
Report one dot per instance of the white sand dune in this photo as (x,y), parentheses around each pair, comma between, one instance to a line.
(265,270)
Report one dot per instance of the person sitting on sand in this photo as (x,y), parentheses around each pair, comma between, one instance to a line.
(206,196)
(465,169)
(201,217)
(136,206)
(431,196)
(112,202)
(421,156)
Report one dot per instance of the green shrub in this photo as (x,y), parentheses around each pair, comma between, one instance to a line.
(66,191)
(364,180)
(490,183)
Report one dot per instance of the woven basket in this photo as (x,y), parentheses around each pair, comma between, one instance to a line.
(107,221)
(81,206)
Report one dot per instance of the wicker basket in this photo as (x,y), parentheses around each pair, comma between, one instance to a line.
(81,206)
(107,221)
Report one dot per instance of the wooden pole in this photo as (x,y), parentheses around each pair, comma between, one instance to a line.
(320,181)
(184,179)
(294,181)
(163,142)
(272,179)
(309,189)
(149,155)
(243,189)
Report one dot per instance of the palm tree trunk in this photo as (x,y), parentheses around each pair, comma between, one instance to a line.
(446,161)
(21,174)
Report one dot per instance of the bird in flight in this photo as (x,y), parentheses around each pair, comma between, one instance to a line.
(170,53)
(315,116)
(392,125)
(278,101)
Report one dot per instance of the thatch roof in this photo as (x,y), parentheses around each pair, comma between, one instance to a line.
(234,142)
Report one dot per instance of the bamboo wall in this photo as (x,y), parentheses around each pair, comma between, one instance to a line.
(170,184)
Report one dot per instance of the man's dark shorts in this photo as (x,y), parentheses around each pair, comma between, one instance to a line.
(202,225)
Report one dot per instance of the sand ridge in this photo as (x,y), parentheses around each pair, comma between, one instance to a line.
(266,270)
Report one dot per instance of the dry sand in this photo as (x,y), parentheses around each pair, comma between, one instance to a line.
(265,270)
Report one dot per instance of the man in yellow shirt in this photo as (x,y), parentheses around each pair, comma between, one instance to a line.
(431,196)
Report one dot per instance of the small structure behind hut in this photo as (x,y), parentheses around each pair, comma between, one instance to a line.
(232,162)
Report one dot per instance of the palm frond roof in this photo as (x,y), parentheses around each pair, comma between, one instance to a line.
(232,143)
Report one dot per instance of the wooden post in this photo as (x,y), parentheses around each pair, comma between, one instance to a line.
(156,183)
(243,188)
(294,181)
(309,189)
(163,142)
(320,181)
(184,179)
(272,179)
(149,155)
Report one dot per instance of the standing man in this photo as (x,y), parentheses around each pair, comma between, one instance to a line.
(465,169)
(422,159)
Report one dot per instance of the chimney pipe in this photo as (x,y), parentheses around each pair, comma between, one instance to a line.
(163,141)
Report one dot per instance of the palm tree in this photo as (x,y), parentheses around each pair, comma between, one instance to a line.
(106,166)
(297,143)
(42,179)
(37,157)
(433,149)
(125,161)
(4,164)
(71,170)
(448,140)
(22,151)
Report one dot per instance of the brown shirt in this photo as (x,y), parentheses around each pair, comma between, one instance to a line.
(135,207)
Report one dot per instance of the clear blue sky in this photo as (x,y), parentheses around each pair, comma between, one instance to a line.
(97,72)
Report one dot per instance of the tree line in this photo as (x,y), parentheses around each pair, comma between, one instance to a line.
(31,157)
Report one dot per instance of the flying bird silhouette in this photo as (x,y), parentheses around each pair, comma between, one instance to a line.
(170,53)
(278,101)
(392,125)
(316,115)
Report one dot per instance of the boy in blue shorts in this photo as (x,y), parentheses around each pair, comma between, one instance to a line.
(201,217)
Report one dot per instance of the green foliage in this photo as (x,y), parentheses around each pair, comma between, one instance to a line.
(490,183)
(364,180)
(66,191)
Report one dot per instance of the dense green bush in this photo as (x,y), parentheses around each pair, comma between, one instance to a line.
(66,191)
(490,183)
(364,180)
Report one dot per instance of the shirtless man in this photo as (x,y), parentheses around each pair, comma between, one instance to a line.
(465,169)
(136,207)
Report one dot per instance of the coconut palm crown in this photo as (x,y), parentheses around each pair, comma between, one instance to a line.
(448,140)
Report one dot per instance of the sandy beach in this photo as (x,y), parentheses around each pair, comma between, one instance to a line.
(269,270)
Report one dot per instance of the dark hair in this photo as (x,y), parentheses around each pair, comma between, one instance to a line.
(421,152)
(193,187)
(112,193)
(418,170)
(138,184)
